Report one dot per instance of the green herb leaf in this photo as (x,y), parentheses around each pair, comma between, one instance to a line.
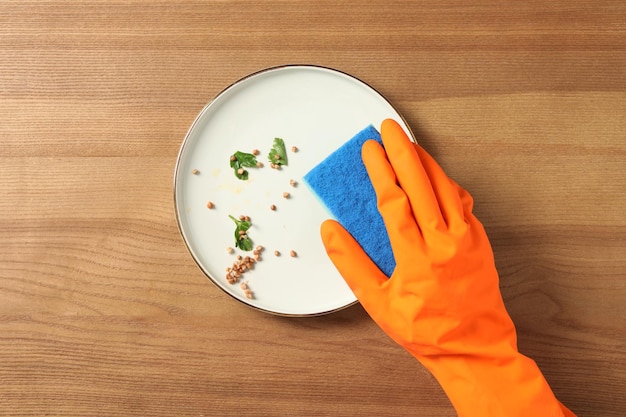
(239,160)
(243,242)
(278,154)
(246,159)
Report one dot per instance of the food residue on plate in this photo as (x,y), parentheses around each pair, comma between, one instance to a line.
(278,154)
(240,266)
(242,240)
(239,161)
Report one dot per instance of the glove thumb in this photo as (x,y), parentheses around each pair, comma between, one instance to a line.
(356,268)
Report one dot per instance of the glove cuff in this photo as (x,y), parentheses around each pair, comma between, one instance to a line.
(484,386)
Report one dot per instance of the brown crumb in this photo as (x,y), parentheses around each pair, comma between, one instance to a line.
(257,253)
(294,149)
(239,267)
(293,254)
(272,207)
(286,195)
(195,172)
(276,253)
(255,152)
(293,183)
(210,205)
(259,164)
(248,294)
(229,250)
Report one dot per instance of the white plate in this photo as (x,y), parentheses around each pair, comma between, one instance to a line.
(313,108)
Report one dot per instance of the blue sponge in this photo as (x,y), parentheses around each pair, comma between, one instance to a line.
(341,183)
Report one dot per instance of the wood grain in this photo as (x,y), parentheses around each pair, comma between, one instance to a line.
(102,310)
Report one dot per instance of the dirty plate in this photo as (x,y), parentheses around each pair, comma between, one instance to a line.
(312,108)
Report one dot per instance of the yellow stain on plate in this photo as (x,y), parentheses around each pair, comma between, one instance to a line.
(232,187)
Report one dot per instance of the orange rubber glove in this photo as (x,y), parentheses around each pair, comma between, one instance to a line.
(442,302)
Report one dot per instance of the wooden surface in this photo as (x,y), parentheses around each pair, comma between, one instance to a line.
(103,311)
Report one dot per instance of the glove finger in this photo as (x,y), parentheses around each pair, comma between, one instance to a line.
(466,199)
(464,205)
(448,193)
(412,177)
(393,203)
(357,269)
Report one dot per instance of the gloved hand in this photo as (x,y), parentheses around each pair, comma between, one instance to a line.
(442,302)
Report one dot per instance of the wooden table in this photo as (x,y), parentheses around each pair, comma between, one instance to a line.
(104,312)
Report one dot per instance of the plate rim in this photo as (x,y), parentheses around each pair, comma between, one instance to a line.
(186,140)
